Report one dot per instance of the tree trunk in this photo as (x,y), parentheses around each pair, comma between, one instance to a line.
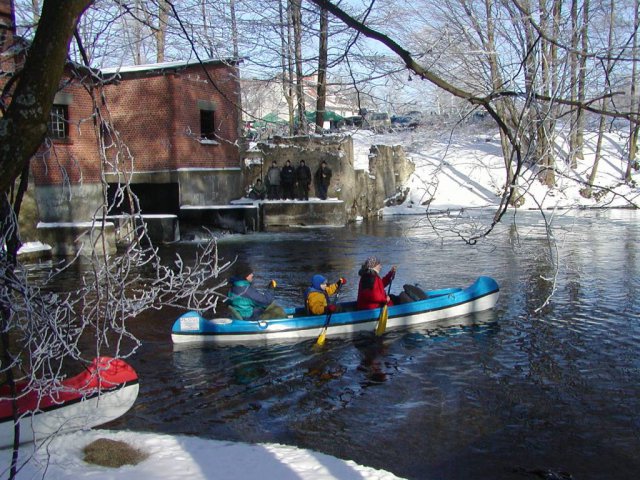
(634,128)
(540,114)
(582,81)
(287,63)
(208,43)
(497,82)
(573,78)
(296,20)
(35,10)
(586,192)
(236,57)
(322,70)
(161,31)
(234,28)
(22,130)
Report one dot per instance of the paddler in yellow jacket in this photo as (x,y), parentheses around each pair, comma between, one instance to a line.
(317,295)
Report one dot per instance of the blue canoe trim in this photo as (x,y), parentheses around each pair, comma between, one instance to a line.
(436,300)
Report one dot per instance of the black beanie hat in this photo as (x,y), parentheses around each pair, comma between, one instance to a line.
(244,272)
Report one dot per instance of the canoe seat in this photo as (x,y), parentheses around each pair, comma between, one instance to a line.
(414,292)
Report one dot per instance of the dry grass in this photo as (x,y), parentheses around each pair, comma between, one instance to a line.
(112,453)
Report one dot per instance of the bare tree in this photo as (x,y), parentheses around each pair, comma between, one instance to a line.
(44,330)
(587,190)
(322,70)
(518,138)
(161,30)
(295,7)
(634,127)
(287,61)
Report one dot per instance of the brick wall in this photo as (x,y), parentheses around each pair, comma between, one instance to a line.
(191,153)
(74,160)
(157,117)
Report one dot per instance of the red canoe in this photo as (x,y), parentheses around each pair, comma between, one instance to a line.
(103,392)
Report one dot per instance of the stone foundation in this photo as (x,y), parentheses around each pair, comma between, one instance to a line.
(303,214)
(70,238)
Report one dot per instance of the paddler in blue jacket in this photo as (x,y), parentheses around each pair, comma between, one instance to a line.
(246,299)
(317,295)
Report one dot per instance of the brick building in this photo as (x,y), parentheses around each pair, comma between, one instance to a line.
(167,129)
(170,130)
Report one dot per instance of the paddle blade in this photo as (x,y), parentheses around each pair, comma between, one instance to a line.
(322,337)
(382,322)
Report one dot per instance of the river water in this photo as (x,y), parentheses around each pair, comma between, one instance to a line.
(547,385)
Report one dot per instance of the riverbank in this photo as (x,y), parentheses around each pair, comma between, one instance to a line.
(462,170)
(172,457)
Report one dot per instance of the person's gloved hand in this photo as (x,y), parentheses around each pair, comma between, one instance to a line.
(342,281)
(330,309)
(273,284)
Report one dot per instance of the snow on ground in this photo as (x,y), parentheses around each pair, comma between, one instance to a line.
(467,171)
(173,457)
(30,247)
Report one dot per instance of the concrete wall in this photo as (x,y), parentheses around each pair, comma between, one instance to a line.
(209,187)
(294,214)
(382,184)
(364,192)
(68,203)
(29,216)
(336,150)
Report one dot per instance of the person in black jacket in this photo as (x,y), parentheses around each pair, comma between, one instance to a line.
(303,177)
(287,180)
(273,182)
(322,180)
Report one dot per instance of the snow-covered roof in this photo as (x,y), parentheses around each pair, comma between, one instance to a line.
(149,67)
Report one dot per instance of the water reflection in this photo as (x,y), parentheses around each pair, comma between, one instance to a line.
(374,363)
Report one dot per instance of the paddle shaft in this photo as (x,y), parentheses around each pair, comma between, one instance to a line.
(382,319)
(323,334)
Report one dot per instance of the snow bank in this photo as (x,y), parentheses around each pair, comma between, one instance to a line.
(468,171)
(172,457)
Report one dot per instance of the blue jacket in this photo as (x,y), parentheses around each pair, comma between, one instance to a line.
(244,298)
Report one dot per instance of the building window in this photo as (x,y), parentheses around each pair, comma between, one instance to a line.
(207,125)
(58,122)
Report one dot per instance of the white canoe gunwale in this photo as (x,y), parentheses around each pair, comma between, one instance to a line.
(441,304)
(103,393)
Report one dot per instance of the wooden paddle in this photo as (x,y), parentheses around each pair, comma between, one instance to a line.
(382,320)
(323,334)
